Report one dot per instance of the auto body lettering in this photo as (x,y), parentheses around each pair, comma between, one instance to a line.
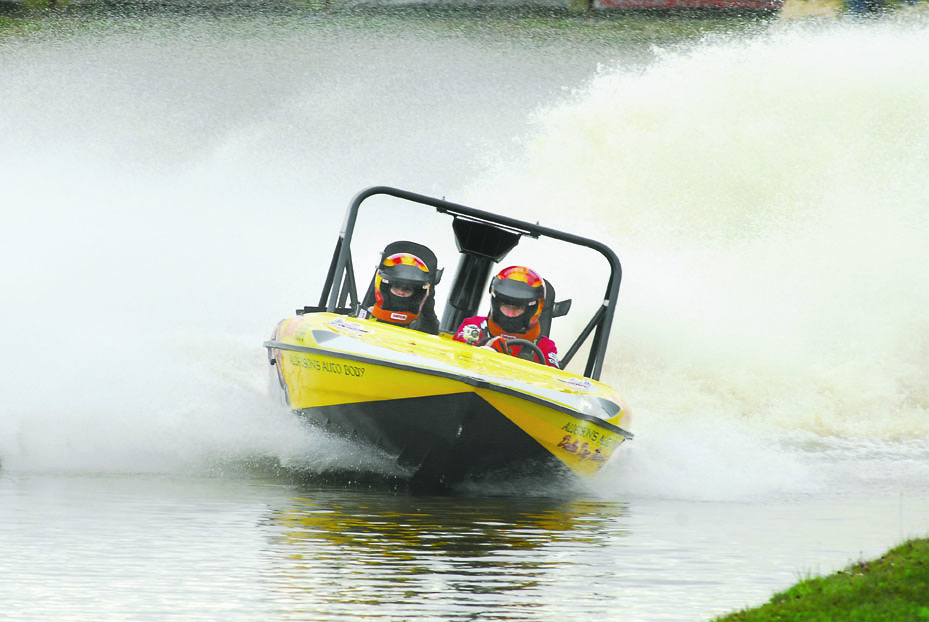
(351,370)
(307,362)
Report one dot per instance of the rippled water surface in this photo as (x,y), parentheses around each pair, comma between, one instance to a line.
(173,184)
(142,547)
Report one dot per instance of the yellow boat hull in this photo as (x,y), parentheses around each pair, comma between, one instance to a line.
(445,410)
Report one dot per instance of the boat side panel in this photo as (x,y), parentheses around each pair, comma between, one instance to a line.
(363,340)
(313,379)
(581,444)
(394,343)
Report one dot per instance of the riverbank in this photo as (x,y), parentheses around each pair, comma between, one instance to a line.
(891,588)
(588,31)
(25,15)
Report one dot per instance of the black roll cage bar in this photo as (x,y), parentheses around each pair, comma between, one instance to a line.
(474,270)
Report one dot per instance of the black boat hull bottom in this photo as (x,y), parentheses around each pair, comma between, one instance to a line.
(443,439)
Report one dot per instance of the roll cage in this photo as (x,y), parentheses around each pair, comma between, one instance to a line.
(483,239)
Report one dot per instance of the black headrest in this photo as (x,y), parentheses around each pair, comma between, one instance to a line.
(423,252)
(552,309)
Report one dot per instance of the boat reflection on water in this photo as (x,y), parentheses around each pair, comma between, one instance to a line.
(398,556)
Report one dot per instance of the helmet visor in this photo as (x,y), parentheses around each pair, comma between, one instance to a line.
(403,295)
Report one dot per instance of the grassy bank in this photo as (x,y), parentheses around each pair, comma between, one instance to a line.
(893,588)
(594,32)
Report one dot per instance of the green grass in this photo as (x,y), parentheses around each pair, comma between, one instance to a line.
(894,588)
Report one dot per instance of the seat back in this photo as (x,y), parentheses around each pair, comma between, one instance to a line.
(551,309)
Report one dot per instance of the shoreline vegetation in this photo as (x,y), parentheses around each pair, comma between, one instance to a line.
(550,19)
(29,14)
(891,588)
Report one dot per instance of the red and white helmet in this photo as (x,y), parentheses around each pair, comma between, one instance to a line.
(401,287)
(516,286)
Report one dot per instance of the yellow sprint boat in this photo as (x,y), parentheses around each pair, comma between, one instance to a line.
(448,411)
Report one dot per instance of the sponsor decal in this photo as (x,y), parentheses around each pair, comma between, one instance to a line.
(353,370)
(289,329)
(581,449)
(343,324)
(342,369)
(568,444)
(584,432)
(578,383)
(400,317)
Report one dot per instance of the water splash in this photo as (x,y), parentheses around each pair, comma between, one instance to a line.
(173,187)
(767,198)
(768,202)
(766,194)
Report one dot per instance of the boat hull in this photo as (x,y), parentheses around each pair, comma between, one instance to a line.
(443,439)
(443,410)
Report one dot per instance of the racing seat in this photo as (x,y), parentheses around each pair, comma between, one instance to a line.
(551,309)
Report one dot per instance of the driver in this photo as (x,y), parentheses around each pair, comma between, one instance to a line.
(517,295)
(403,286)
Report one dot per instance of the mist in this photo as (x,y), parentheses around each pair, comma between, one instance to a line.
(170,195)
